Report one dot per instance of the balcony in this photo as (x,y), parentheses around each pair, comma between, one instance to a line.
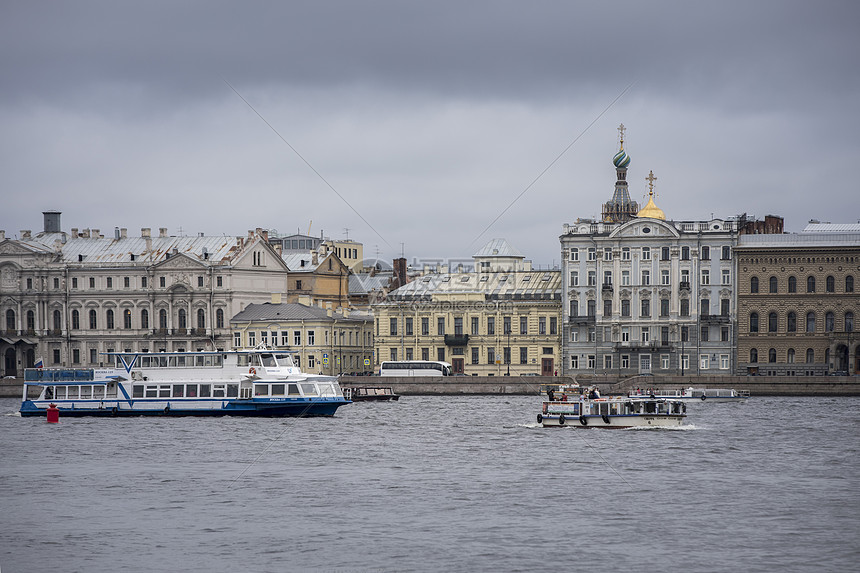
(685,285)
(456,339)
(582,319)
(607,287)
(715,318)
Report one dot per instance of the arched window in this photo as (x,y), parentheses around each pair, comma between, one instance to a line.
(31,321)
(110,318)
(792,284)
(58,322)
(792,321)
(810,283)
(849,284)
(219,318)
(93,319)
(76,320)
(849,322)
(771,322)
(810,322)
(791,355)
(810,356)
(830,284)
(183,323)
(771,355)
(753,355)
(162,319)
(773,285)
(829,322)
(201,318)
(10,320)
(126,319)
(753,284)
(753,322)
(144,318)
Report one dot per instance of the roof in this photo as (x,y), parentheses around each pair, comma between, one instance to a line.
(293,311)
(299,261)
(800,240)
(364,283)
(832,228)
(110,250)
(529,284)
(498,248)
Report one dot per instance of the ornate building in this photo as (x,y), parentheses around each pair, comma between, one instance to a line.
(797,302)
(68,297)
(642,294)
(501,319)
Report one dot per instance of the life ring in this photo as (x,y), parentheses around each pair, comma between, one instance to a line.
(540,419)
(113,411)
(167,409)
(605,419)
(561,419)
(704,397)
(252,370)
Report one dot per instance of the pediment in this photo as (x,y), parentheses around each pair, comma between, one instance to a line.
(644,229)
(179,261)
(10,247)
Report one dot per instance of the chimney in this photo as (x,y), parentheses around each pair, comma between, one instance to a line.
(315,259)
(85,233)
(162,232)
(400,275)
(250,236)
(52,221)
(148,243)
(94,233)
(276,298)
(265,236)
(74,232)
(116,233)
(123,233)
(25,234)
(2,235)
(145,232)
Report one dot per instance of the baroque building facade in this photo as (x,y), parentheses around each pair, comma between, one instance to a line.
(642,294)
(501,319)
(67,298)
(797,302)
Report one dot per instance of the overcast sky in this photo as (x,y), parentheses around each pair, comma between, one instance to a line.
(424,120)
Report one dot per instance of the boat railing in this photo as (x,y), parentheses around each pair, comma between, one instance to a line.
(58,374)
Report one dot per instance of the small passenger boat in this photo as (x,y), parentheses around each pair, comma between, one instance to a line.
(258,382)
(694,394)
(370,394)
(587,409)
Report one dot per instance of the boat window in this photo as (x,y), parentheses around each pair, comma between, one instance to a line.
(278,389)
(268,360)
(72,392)
(59,392)
(162,361)
(191,390)
(208,360)
(164,391)
(309,390)
(261,389)
(613,409)
(232,390)
(293,390)
(205,390)
(143,361)
(326,390)
(178,390)
(604,409)
(85,391)
(198,360)
(242,360)
(285,360)
(180,361)
(219,391)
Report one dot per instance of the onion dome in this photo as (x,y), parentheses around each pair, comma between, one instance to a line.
(621,159)
(651,211)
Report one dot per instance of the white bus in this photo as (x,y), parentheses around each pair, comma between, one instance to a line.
(415,368)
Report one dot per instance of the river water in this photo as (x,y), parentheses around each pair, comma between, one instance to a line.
(435,484)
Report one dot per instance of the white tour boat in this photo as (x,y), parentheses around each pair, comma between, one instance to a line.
(566,406)
(694,394)
(258,382)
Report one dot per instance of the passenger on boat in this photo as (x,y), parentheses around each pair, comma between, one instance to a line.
(550,394)
(595,393)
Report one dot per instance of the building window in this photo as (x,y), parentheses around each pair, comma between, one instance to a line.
(664,254)
(625,334)
(542,325)
(524,325)
(126,319)
(625,253)
(491,355)
(425,326)
(664,361)
(772,322)
(849,283)
(791,356)
(183,320)
(574,307)
(74,282)
(810,356)
(646,308)
(475,358)
(592,254)
(706,277)
(553,325)
(726,253)
(93,321)
(685,278)
(200,281)
(664,277)
(645,334)
(607,253)
(664,307)
(625,278)
(92,282)
(219,318)
(440,325)
(126,282)
(705,361)
(705,334)
(753,322)
(773,285)
(724,334)
(810,283)
(591,307)
(646,277)
(506,325)
(392,352)
(574,254)
(94,355)
(574,362)
(607,278)
(706,253)
(491,325)
(829,322)
(475,326)
(706,306)
(791,322)
(830,284)
(524,355)
(162,319)
(753,285)
(646,253)
(312,361)
(162,282)
(849,322)
(76,320)
(220,282)
(143,282)
(297,338)
(574,335)
(685,307)
(625,361)
(409,353)
(753,355)
(574,278)
(201,319)
(685,253)
(810,322)
(607,307)
(726,277)
(144,318)
(592,278)
(76,356)
(792,284)
(591,361)
(392,326)
(607,362)
(625,307)
(724,306)
(408,326)
(771,356)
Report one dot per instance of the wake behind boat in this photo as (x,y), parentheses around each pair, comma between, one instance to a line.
(581,408)
(258,382)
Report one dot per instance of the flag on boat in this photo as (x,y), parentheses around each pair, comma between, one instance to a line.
(39,363)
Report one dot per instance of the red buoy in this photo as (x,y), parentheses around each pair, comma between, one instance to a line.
(53,414)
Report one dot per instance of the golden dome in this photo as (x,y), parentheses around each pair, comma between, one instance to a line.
(651,211)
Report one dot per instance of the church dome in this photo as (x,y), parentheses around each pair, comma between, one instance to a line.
(621,159)
(651,211)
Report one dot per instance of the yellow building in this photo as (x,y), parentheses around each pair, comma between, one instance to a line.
(325,341)
(502,319)
(321,278)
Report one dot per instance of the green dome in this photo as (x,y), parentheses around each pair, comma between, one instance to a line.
(621,159)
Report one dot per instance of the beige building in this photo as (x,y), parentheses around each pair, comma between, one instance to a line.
(318,277)
(797,302)
(68,297)
(504,318)
(325,341)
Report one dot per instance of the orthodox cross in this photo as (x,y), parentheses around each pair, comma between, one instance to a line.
(651,179)
(621,130)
